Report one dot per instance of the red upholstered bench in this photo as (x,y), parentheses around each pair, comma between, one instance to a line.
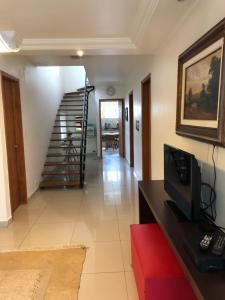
(158,273)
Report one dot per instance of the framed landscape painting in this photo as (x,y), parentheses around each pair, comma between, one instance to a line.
(200,96)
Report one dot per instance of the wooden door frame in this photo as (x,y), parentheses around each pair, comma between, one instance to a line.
(146,130)
(123,121)
(131,128)
(21,157)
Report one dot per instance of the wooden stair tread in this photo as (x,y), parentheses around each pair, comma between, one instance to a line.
(73,97)
(78,96)
(72,120)
(46,184)
(69,115)
(60,140)
(76,120)
(56,173)
(62,155)
(64,147)
(73,109)
(57,163)
(72,100)
(73,93)
(76,132)
(65,114)
(89,88)
(67,126)
(68,105)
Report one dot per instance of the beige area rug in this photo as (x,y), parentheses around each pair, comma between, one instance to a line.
(41,274)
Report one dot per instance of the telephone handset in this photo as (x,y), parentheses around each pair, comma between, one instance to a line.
(218,241)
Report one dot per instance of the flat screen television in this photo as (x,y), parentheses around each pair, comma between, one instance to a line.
(182,181)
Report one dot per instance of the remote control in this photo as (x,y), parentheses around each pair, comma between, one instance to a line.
(206,241)
(219,244)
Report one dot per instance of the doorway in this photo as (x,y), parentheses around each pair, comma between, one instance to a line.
(146,127)
(131,128)
(14,140)
(111,124)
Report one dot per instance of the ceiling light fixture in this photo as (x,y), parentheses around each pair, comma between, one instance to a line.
(8,42)
(80,53)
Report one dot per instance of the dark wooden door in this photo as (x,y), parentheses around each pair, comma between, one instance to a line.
(14,140)
(131,127)
(121,128)
(146,128)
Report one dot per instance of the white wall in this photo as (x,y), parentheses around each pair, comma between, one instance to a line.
(73,78)
(135,86)
(92,141)
(41,92)
(164,83)
(137,134)
(92,109)
(100,93)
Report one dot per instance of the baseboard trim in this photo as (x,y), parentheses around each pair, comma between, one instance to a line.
(32,193)
(127,160)
(5,223)
(136,175)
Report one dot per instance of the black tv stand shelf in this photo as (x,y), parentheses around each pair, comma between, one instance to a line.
(152,209)
(177,213)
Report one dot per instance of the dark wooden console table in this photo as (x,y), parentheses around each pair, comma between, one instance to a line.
(152,209)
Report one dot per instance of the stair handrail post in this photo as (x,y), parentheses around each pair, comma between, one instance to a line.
(83,133)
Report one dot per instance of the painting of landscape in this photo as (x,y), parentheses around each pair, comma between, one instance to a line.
(202,80)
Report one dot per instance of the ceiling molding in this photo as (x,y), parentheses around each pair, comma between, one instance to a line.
(178,26)
(76,44)
(144,16)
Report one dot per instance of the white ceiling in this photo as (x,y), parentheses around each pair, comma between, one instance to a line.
(101,69)
(107,31)
(93,25)
(68,18)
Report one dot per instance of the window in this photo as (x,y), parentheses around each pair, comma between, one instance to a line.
(110,110)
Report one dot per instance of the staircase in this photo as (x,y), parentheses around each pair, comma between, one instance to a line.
(66,157)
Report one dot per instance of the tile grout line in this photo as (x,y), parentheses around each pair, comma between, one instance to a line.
(29,230)
(74,227)
(121,249)
(113,272)
(111,188)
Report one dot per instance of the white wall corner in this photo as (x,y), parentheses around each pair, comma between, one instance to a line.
(4,224)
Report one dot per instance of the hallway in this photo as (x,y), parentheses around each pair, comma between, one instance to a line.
(97,217)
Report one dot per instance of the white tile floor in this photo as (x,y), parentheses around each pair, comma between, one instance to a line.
(97,216)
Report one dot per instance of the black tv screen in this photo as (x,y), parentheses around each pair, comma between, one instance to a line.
(182,181)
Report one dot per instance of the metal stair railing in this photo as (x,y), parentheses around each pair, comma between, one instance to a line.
(84,133)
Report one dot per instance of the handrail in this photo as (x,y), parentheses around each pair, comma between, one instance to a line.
(82,138)
(84,132)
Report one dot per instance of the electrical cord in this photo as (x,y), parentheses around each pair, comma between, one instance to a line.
(209,222)
(214,183)
(212,196)
(212,199)
(209,209)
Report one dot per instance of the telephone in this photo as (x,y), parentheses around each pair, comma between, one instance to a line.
(217,240)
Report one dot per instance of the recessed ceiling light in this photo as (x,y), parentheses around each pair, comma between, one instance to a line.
(80,53)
